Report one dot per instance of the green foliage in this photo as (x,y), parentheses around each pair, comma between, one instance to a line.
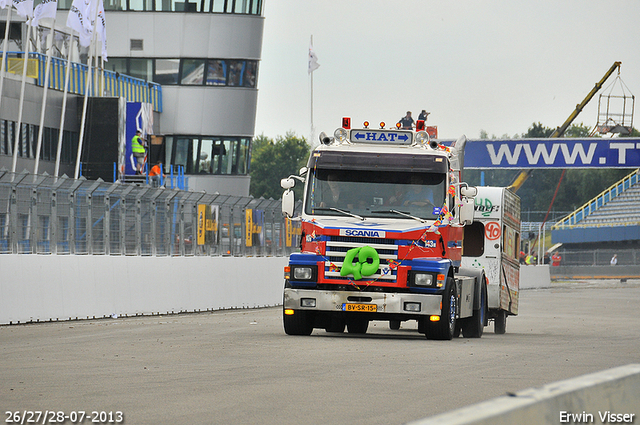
(538,131)
(578,130)
(272,161)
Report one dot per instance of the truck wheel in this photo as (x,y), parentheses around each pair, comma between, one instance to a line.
(357,325)
(473,327)
(336,324)
(500,322)
(298,323)
(445,328)
(394,325)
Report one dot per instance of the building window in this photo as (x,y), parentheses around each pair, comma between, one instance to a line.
(141,5)
(208,155)
(244,7)
(217,72)
(192,72)
(3,138)
(189,72)
(141,68)
(167,71)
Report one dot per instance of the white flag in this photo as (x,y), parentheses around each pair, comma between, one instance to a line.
(102,30)
(24,7)
(313,60)
(79,20)
(46,9)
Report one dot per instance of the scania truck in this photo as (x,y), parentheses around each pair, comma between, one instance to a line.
(382,235)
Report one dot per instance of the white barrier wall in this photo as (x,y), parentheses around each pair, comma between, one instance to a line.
(534,277)
(59,287)
(611,394)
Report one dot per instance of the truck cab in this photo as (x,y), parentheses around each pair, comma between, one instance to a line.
(382,237)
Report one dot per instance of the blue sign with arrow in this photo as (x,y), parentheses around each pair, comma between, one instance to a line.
(381,136)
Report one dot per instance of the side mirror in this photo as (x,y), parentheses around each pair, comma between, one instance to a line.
(288,202)
(466,211)
(287,183)
(303,171)
(468,191)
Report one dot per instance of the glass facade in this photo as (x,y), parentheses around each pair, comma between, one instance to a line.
(208,154)
(243,7)
(189,71)
(28,138)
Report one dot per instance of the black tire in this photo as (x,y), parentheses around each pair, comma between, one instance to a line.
(394,325)
(336,324)
(298,323)
(446,327)
(357,325)
(422,325)
(473,327)
(500,322)
(458,330)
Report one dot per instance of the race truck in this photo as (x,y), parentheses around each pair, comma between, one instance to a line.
(382,224)
(492,243)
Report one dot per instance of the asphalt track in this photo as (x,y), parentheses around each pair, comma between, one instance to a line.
(239,366)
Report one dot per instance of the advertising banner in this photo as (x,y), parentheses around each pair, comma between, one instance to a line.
(562,153)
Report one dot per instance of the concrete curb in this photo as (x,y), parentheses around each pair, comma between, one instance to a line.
(593,398)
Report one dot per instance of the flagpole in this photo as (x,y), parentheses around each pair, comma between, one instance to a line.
(4,50)
(86,92)
(24,78)
(44,97)
(64,103)
(312,129)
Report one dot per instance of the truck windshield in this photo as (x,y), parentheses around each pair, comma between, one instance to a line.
(375,193)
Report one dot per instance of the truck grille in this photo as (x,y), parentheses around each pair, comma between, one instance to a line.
(337,247)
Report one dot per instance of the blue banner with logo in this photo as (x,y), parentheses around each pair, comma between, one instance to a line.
(553,153)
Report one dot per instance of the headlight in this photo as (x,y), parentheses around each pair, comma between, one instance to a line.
(341,135)
(302,273)
(422,279)
(422,138)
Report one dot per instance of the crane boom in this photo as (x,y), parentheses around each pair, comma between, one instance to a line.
(559,132)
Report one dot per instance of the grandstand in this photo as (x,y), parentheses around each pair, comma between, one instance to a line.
(609,223)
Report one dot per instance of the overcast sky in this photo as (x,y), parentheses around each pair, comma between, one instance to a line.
(490,65)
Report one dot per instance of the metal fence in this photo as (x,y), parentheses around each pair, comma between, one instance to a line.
(600,257)
(41,214)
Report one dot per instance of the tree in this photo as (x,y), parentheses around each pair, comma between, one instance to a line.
(578,130)
(272,161)
(538,131)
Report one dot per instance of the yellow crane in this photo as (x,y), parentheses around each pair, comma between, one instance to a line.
(524,174)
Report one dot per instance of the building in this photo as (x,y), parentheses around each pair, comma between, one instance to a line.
(205,55)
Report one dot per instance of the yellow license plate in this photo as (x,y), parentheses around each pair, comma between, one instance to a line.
(360,307)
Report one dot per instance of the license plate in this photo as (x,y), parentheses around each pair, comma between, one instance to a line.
(360,307)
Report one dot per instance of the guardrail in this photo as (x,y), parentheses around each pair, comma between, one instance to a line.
(104,82)
(41,214)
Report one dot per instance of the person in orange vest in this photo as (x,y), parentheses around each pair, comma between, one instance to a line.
(156,174)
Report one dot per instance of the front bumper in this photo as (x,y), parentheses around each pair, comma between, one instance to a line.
(386,303)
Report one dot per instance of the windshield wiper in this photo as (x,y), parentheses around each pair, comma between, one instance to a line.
(404,214)
(341,211)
